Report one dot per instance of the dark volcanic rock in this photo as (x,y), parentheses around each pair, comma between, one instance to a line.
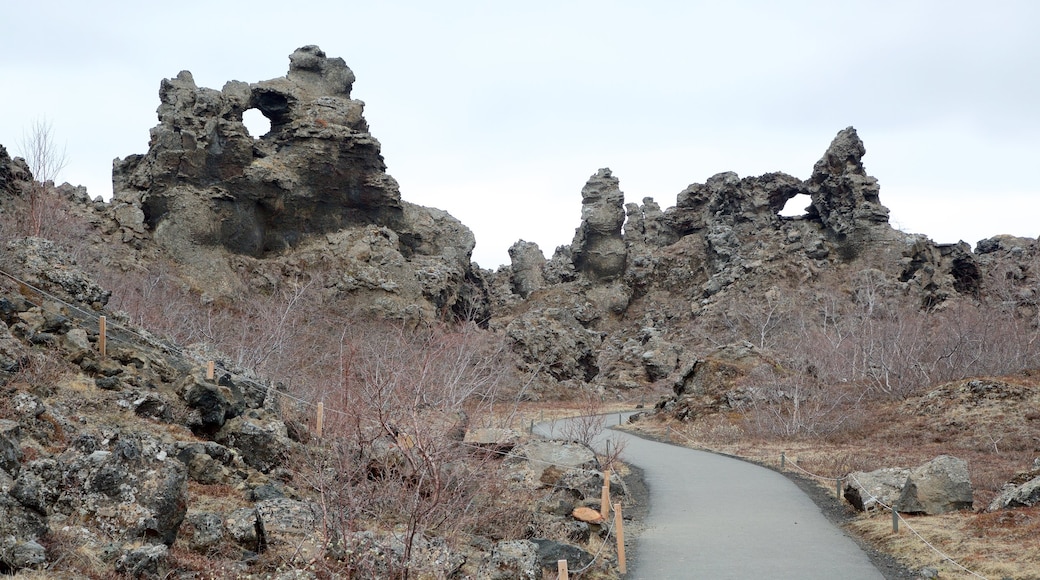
(844,197)
(598,248)
(211,194)
(318,170)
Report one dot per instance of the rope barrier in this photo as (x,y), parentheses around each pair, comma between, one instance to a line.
(938,552)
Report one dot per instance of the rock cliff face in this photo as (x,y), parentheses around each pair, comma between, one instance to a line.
(634,274)
(212,194)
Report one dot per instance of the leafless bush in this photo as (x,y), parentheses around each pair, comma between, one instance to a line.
(791,404)
(45,161)
(392,452)
(589,423)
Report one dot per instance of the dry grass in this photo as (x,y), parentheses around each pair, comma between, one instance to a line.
(908,433)
(993,545)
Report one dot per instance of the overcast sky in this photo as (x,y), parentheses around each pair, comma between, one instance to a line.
(499,112)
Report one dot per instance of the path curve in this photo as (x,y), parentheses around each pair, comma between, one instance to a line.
(717,517)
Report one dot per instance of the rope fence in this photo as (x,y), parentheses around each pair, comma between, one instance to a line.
(896,516)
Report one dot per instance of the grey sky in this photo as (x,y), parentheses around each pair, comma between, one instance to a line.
(498,113)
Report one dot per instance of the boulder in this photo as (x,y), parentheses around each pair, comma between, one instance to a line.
(495,440)
(260,438)
(939,486)
(10,447)
(1025,495)
(21,554)
(538,456)
(1022,491)
(867,491)
(203,531)
(132,489)
(511,560)
(290,528)
(20,528)
(550,552)
(143,561)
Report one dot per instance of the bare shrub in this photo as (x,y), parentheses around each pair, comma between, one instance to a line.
(590,421)
(393,449)
(787,404)
(45,160)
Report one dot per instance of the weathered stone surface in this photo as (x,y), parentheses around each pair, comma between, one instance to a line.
(527,262)
(550,552)
(207,188)
(539,456)
(20,528)
(10,447)
(132,489)
(21,554)
(869,491)
(15,176)
(290,528)
(260,438)
(498,440)
(1022,491)
(598,247)
(203,531)
(241,525)
(1024,495)
(844,197)
(210,463)
(144,561)
(552,340)
(942,485)
(512,560)
(43,264)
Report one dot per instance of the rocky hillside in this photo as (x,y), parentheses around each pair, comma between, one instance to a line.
(274,254)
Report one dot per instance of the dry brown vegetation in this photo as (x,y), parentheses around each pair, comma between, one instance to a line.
(864,378)
(858,376)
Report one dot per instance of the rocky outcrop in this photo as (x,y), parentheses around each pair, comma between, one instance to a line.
(15,176)
(598,249)
(552,341)
(206,188)
(526,263)
(844,198)
(1022,491)
(939,486)
(318,170)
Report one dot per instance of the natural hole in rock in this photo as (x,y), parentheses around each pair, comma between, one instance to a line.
(796,206)
(256,123)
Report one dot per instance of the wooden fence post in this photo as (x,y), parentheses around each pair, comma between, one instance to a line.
(783,460)
(211,370)
(561,567)
(102,338)
(320,424)
(604,499)
(619,524)
(895,520)
(837,489)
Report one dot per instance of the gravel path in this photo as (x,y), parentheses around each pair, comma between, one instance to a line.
(716,517)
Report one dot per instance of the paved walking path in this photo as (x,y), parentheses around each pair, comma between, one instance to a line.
(716,517)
